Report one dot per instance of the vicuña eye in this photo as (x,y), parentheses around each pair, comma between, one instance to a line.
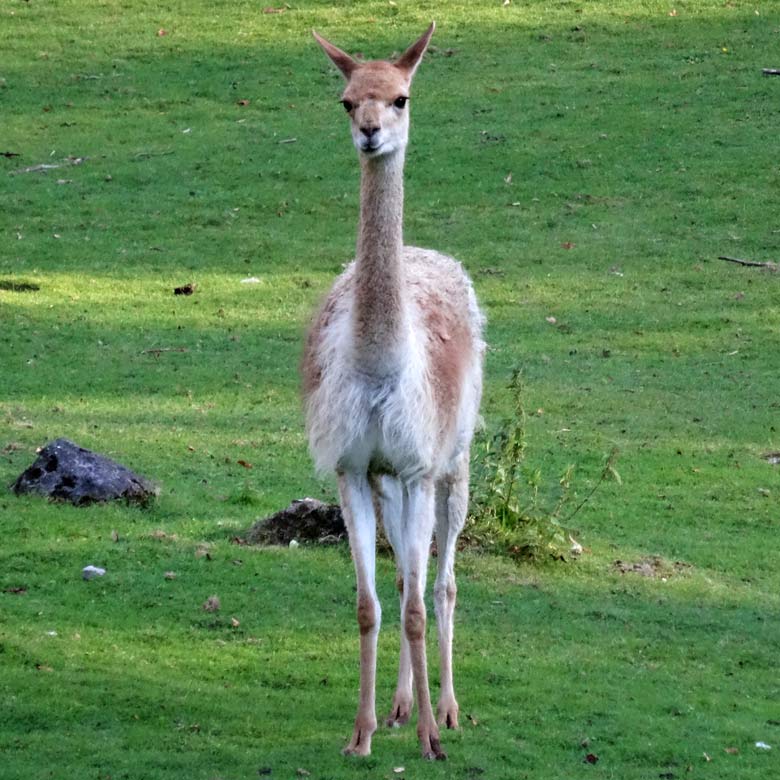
(348,106)
(400,102)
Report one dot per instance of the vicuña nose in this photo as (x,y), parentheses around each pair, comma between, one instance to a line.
(369,131)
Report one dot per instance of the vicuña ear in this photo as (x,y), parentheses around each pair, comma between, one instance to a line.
(410,59)
(341,59)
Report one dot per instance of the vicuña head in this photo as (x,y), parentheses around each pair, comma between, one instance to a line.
(377,94)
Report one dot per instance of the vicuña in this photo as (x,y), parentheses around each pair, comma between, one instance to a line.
(392,379)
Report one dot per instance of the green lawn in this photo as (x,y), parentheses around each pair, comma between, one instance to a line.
(588,162)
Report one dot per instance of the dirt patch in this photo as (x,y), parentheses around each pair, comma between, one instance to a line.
(654,566)
(305,520)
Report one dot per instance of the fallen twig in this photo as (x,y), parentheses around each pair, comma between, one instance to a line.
(157,351)
(50,166)
(752,263)
(149,155)
(88,76)
(11,286)
(606,472)
(771,71)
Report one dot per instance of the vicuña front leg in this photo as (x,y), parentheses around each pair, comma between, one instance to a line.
(419,520)
(358,511)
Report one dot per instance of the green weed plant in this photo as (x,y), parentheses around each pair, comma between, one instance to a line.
(513,511)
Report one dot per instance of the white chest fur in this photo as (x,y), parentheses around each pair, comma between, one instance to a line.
(382,438)
(380,423)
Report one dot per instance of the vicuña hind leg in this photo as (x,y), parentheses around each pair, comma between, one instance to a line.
(451,506)
(419,518)
(389,498)
(403,699)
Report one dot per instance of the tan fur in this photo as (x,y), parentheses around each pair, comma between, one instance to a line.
(366,615)
(376,80)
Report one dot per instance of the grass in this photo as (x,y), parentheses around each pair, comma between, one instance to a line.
(640,148)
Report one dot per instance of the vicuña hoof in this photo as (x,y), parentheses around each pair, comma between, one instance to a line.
(447,714)
(400,712)
(360,744)
(431,749)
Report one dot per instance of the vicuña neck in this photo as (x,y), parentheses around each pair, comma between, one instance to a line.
(379,308)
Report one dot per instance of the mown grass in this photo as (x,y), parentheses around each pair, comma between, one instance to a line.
(640,147)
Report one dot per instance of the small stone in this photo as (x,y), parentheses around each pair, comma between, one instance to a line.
(90,572)
(211,604)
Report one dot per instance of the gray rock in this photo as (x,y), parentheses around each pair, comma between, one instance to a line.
(90,572)
(66,472)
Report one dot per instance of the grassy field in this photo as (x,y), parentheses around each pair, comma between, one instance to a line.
(588,161)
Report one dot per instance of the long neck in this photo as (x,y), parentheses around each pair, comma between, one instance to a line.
(379,314)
